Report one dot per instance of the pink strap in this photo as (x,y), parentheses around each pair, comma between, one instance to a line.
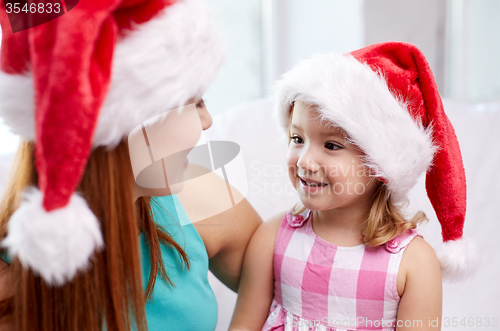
(401,241)
(298,220)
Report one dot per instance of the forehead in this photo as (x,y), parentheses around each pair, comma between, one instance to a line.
(306,116)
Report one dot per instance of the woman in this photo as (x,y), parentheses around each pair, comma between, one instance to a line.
(73,214)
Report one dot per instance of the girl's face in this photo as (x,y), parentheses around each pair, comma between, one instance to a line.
(171,138)
(324,168)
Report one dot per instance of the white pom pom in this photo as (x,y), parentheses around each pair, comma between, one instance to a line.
(459,259)
(53,244)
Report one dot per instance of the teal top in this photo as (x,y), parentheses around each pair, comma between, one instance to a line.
(191,304)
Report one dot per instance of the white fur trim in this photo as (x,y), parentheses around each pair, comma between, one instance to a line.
(459,259)
(53,244)
(352,96)
(157,67)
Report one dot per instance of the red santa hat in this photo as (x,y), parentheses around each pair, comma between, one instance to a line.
(86,79)
(385,97)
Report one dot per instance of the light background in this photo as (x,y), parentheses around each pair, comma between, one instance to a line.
(265,38)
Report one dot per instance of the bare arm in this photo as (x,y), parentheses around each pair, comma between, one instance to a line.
(257,280)
(421,300)
(232,235)
(224,228)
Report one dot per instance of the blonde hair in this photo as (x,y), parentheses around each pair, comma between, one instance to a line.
(111,290)
(384,221)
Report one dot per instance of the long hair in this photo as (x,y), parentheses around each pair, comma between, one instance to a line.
(386,220)
(110,291)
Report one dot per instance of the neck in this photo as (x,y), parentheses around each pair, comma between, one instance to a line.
(340,226)
(348,218)
(340,219)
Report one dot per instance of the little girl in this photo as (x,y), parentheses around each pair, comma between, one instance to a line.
(363,127)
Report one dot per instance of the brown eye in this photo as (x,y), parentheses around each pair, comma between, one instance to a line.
(296,140)
(332,146)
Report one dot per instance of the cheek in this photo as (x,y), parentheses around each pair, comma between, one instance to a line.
(291,157)
(291,162)
(187,134)
(334,171)
(362,175)
(362,171)
(348,169)
(184,130)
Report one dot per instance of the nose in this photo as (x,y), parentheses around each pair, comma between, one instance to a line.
(205,118)
(308,160)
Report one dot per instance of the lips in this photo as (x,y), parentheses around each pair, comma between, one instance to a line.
(311,183)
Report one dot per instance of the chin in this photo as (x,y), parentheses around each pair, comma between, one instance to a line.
(311,205)
(320,203)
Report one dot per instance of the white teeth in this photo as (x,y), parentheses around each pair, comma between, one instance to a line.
(312,184)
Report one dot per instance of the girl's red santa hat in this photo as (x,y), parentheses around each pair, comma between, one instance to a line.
(385,97)
(83,80)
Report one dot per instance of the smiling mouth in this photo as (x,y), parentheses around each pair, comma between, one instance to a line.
(312,184)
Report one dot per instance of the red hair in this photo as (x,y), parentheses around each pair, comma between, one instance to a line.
(110,291)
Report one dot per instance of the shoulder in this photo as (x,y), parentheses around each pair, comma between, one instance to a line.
(419,262)
(206,194)
(419,253)
(421,297)
(265,234)
(263,240)
(269,229)
(220,213)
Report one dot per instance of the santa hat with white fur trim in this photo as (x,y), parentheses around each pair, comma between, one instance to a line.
(385,97)
(86,79)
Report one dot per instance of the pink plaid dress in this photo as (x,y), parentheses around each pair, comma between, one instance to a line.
(322,286)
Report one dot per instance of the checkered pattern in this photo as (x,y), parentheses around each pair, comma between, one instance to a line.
(322,286)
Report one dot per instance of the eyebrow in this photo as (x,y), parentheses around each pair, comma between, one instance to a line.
(323,133)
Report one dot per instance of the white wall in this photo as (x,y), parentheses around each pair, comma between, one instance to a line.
(474,72)
(422,24)
(240,78)
(296,29)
